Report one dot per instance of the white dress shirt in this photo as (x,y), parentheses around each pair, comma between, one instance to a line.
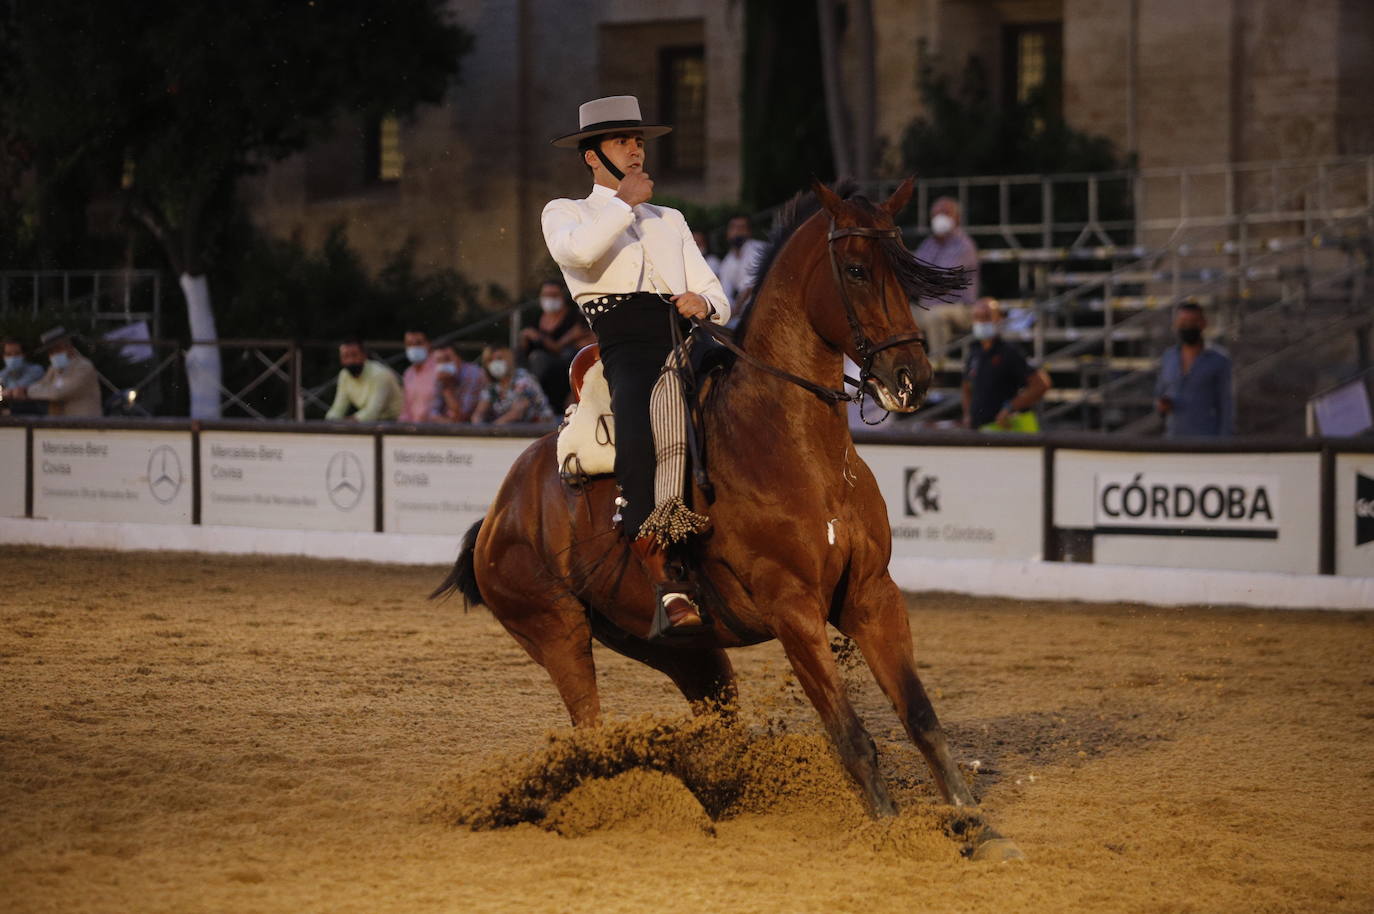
(606,247)
(737,268)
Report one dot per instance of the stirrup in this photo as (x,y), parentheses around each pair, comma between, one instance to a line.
(661,628)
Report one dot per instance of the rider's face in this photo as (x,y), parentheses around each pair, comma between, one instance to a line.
(625,150)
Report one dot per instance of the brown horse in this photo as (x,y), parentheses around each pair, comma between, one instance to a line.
(799,535)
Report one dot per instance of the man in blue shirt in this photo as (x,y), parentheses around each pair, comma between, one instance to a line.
(1193,390)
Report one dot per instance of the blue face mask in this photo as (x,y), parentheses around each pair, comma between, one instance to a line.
(984,330)
(13,361)
(417,354)
(60,360)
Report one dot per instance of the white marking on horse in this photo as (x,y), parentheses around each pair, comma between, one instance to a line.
(830,530)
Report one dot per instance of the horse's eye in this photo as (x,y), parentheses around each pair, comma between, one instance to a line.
(855,271)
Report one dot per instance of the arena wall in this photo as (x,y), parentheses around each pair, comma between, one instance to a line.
(1259,523)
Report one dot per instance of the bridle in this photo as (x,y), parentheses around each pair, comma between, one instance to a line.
(866,349)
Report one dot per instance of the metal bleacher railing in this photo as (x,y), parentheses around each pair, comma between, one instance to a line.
(1103,258)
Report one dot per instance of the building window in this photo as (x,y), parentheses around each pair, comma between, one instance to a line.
(682,97)
(1034,70)
(385,161)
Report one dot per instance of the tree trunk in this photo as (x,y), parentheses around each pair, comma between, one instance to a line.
(202,361)
(836,108)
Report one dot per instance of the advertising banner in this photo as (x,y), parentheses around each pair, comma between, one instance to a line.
(1244,512)
(141,477)
(12,442)
(952,502)
(288,480)
(442,485)
(1354,515)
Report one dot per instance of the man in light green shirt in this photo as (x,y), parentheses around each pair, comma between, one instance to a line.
(369,388)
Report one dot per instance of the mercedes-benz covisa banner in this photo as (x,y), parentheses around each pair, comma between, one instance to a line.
(1354,516)
(136,477)
(12,460)
(442,485)
(960,502)
(288,480)
(1248,512)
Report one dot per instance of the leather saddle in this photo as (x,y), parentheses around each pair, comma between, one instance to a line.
(586,439)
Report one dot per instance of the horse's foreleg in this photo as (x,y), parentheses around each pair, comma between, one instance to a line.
(882,632)
(809,653)
(703,675)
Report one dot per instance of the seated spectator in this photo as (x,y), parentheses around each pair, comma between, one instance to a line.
(418,379)
(948,246)
(70,387)
(457,387)
(712,260)
(370,389)
(18,373)
(736,270)
(511,394)
(547,348)
(1000,387)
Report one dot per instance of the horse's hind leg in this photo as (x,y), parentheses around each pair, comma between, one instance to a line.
(877,622)
(703,675)
(808,650)
(559,638)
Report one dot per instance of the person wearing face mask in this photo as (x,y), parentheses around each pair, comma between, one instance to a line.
(457,387)
(419,378)
(737,266)
(547,348)
(1000,387)
(947,246)
(70,387)
(368,388)
(510,394)
(1193,388)
(17,374)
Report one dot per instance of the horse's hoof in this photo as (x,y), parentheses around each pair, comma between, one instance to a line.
(997,850)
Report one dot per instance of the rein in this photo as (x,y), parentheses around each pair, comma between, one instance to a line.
(864,346)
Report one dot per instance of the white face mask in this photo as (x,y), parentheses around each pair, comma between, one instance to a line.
(60,360)
(941,224)
(497,369)
(13,361)
(550,304)
(984,330)
(416,354)
(446,368)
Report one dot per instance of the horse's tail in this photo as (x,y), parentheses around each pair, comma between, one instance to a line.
(463,577)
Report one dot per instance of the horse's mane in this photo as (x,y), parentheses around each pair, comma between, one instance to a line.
(918,278)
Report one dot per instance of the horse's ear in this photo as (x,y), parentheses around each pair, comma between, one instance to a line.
(828,198)
(900,198)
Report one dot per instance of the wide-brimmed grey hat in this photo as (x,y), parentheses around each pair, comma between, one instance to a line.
(612,114)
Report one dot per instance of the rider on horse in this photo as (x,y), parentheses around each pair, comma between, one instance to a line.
(635,270)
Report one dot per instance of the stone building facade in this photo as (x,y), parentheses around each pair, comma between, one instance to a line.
(1175,82)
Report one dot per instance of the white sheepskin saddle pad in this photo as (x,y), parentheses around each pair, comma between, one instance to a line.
(586,440)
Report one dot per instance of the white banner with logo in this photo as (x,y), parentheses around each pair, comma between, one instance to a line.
(1247,512)
(1354,515)
(442,485)
(959,502)
(287,480)
(139,477)
(12,443)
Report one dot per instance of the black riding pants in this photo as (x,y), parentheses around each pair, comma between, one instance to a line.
(635,337)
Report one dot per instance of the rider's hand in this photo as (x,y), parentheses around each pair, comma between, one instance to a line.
(636,187)
(690,304)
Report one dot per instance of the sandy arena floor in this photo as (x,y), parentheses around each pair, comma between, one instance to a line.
(183,733)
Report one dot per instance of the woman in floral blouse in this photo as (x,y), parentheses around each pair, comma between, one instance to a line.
(511,394)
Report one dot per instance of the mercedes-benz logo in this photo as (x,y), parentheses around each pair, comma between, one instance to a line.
(343,480)
(164,473)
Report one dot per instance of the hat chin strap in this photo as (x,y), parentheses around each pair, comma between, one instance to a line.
(606,163)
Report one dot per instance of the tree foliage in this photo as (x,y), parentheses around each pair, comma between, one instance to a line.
(964,132)
(177,100)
